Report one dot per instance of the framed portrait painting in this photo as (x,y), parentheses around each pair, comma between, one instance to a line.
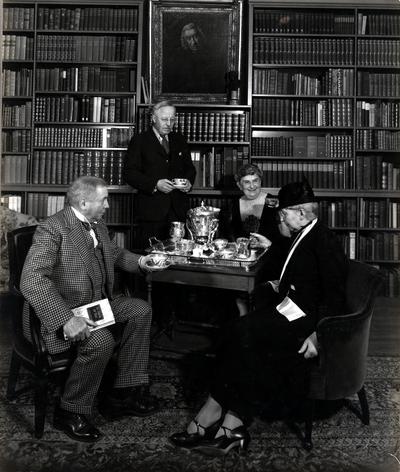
(193,47)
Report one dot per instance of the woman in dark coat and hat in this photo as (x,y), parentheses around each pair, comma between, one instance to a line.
(265,355)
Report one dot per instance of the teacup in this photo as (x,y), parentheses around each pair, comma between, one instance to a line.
(220,243)
(159,260)
(179,182)
(242,247)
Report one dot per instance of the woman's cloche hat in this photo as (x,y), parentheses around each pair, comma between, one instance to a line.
(295,193)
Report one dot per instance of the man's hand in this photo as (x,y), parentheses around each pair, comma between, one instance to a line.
(187,187)
(77,328)
(165,186)
(258,240)
(309,347)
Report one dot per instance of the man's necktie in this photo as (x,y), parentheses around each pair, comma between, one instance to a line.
(93,226)
(165,144)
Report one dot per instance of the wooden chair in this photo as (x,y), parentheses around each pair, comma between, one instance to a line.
(343,347)
(32,355)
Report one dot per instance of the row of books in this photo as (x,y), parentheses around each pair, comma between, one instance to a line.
(336,82)
(378,84)
(379,214)
(17,83)
(14,169)
(278,50)
(17,140)
(212,126)
(348,242)
(302,22)
(373,173)
(290,112)
(91,109)
(43,205)
(53,47)
(378,24)
(18,18)
(217,167)
(378,52)
(17,47)
(82,137)
(120,209)
(62,167)
(391,284)
(327,146)
(382,140)
(378,114)
(85,79)
(13,202)
(205,126)
(17,115)
(88,18)
(338,213)
(379,247)
(331,175)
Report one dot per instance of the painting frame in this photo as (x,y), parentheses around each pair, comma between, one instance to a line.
(193,74)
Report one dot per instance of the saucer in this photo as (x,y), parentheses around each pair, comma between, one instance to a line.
(179,185)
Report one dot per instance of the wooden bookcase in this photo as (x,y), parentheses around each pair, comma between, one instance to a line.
(71,81)
(324,87)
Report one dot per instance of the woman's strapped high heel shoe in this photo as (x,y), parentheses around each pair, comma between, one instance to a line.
(232,438)
(192,440)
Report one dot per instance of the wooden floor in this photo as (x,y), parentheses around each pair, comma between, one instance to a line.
(385,328)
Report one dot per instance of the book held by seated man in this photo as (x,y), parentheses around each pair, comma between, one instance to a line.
(100,312)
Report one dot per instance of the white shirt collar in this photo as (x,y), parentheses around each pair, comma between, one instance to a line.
(80,216)
(159,137)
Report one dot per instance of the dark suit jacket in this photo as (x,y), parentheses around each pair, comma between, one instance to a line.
(58,274)
(147,162)
(315,276)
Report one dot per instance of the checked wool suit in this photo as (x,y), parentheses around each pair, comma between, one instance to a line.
(61,272)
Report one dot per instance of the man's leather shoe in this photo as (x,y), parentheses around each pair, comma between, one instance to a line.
(76,426)
(139,402)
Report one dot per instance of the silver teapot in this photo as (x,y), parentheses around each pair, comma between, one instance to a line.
(202,223)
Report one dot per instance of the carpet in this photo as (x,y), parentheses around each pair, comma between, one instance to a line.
(341,442)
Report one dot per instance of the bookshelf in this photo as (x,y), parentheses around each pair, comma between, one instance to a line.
(71,81)
(324,87)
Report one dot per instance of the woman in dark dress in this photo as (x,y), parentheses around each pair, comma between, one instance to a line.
(254,215)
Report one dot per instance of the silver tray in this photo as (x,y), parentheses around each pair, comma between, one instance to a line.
(211,258)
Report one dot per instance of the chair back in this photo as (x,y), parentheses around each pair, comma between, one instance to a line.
(19,242)
(343,339)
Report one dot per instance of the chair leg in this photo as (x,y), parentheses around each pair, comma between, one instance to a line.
(308,445)
(364,406)
(15,366)
(40,406)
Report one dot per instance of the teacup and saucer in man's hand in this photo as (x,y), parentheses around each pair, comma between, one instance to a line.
(153,262)
(181,184)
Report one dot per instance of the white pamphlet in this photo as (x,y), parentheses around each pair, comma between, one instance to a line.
(100,312)
(290,310)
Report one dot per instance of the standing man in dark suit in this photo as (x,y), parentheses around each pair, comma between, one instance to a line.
(70,264)
(155,158)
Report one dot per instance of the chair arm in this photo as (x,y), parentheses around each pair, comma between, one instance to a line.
(36,335)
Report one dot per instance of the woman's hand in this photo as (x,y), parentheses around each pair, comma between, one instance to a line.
(309,347)
(257,239)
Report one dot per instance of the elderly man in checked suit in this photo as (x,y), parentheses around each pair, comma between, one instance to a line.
(70,264)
